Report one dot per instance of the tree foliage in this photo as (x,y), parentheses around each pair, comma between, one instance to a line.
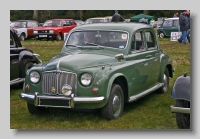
(44,15)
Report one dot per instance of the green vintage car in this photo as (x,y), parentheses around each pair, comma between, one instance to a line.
(101,66)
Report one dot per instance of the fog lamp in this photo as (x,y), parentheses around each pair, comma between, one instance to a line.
(66,90)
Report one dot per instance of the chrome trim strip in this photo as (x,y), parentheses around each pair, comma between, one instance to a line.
(136,97)
(16,81)
(26,96)
(88,99)
(179,109)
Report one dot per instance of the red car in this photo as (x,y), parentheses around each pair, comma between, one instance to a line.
(54,29)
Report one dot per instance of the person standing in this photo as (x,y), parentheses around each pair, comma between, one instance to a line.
(184,25)
(117,17)
(152,21)
(188,32)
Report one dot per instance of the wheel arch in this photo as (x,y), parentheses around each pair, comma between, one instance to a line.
(120,80)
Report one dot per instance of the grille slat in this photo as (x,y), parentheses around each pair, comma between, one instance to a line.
(57,79)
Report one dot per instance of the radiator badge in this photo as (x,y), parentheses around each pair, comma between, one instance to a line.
(53,89)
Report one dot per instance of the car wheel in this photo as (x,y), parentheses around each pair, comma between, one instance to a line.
(161,35)
(114,108)
(22,37)
(36,110)
(182,119)
(165,87)
(59,37)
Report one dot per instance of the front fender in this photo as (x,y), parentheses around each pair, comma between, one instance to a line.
(26,57)
(111,82)
(181,88)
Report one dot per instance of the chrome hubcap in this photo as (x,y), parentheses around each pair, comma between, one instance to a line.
(165,82)
(116,105)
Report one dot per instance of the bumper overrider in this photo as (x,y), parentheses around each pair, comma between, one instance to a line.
(179,109)
(58,101)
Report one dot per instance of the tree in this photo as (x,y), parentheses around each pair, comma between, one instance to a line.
(146,12)
(35,15)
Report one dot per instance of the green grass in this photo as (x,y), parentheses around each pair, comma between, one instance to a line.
(150,112)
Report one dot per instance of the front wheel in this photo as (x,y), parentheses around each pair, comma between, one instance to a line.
(59,37)
(161,35)
(182,119)
(22,37)
(165,87)
(115,106)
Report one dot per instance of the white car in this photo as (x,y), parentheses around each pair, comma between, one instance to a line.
(24,28)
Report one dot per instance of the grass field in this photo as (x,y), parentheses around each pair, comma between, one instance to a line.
(150,112)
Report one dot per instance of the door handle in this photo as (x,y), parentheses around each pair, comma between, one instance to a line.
(149,56)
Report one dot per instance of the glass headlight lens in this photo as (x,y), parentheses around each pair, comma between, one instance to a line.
(86,79)
(34,77)
(51,31)
(35,31)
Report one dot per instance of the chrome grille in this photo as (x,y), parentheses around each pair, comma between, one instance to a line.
(57,79)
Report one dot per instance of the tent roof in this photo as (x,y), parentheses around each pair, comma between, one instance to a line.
(139,16)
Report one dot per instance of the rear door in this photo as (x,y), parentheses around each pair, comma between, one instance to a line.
(141,64)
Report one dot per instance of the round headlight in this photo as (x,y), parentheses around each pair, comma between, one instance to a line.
(86,79)
(34,77)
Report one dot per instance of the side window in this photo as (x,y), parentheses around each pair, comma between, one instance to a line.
(137,42)
(12,42)
(150,40)
(176,23)
(35,24)
(29,25)
(72,22)
(167,23)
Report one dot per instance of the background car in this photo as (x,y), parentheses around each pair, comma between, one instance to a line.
(181,93)
(54,29)
(79,22)
(21,59)
(24,28)
(98,70)
(97,20)
(169,25)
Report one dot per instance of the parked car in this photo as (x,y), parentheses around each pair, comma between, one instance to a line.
(21,59)
(24,28)
(157,24)
(54,29)
(181,93)
(169,25)
(79,22)
(95,70)
(97,20)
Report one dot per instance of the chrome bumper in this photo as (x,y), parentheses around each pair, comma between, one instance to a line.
(179,110)
(36,99)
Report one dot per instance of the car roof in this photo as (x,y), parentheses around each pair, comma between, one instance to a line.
(98,18)
(61,19)
(129,27)
(174,18)
(23,20)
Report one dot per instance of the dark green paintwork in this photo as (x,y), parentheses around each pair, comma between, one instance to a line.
(136,71)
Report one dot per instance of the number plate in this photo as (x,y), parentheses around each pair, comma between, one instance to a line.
(54,102)
(42,35)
